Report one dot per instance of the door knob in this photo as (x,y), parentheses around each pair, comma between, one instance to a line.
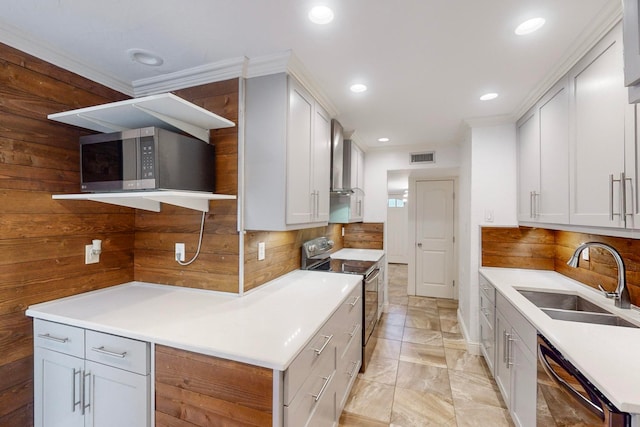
(419,245)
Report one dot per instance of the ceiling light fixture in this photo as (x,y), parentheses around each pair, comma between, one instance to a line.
(488,96)
(145,57)
(383,139)
(528,27)
(321,15)
(358,87)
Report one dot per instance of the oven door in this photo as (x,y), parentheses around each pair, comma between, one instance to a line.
(567,398)
(370,303)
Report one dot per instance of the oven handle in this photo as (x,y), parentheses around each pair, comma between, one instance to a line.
(370,279)
(593,404)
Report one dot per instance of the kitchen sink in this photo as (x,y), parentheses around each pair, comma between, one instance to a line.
(587,317)
(573,308)
(561,301)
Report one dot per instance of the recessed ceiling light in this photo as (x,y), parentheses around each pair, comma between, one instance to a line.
(321,15)
(383,139)
(145,57)
(358,87)
(528,27)
(488,96)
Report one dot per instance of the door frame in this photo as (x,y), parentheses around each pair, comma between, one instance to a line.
(411,241)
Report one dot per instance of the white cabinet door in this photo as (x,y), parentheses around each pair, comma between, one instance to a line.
(300,136)
(528,165)
(523,383)
(117,397)
(552,203)
(502,371)
(57,387)
(321,162)
(598,101)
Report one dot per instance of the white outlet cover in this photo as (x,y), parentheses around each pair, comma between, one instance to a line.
(180,250)
(261,251)
(89,256)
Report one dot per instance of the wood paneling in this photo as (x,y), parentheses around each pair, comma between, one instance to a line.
(364,235)
(198,390)
(538,248)
(42,240)
(522,247)
(217,266)
(282,253)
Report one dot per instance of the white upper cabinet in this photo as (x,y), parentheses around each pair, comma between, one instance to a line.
(287,156)
(602,123)
(543,159)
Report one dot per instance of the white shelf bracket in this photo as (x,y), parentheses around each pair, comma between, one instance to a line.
(138,203)
(198,132)
(201,205)
(109,126)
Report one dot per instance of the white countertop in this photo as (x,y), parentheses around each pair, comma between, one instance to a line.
(358,254)
(606,355)
(267,327)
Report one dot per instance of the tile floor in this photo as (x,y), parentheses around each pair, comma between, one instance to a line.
(420,373)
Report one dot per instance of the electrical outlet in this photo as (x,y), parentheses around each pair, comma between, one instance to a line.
(89,256)
(180,251)
(585,254)
(261,251)
(342,231)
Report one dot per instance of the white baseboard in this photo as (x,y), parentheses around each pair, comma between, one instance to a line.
(472,347)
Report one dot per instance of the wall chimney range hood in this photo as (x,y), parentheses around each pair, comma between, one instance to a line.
(340,161)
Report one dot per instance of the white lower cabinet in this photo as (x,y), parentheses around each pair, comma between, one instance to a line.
(487,321)
(88,378)
(318,381)
(515,362)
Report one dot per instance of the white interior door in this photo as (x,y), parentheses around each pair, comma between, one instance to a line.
(434,239)
(398,233)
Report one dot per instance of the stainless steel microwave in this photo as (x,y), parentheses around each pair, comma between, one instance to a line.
(146,159)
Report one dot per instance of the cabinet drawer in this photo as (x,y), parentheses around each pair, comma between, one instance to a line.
(347,321)
(58,337)
(321,347)
(315,397)
(487,289)
(487,308)
(119,352)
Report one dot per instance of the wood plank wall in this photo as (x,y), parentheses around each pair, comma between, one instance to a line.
(282,253)
(197,390)
(364,235)
(42,240)
(217,267)
(538,248)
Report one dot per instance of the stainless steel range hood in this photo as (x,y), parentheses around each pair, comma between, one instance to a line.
(340,160)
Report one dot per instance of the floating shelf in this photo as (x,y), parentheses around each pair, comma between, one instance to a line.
(165,110)
(151,200)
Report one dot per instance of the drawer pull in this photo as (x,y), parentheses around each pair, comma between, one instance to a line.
(355,301)
(355,328)
(52,338)
(109,353)
(352,371)
(317,397)
(326,342)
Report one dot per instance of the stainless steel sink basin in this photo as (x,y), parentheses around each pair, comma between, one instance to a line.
(562,301)
(573,308)
(587,317)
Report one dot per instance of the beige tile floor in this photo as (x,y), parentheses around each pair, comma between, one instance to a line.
(420,373)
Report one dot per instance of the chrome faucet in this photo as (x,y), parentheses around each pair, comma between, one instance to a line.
(621,294)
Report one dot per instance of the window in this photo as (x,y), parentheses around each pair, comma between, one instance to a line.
(396,203)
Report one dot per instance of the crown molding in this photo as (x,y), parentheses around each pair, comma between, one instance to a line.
(190,77)
(586,40)
(476,122)
(20,40)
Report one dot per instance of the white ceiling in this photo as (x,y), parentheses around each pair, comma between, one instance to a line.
(426,62)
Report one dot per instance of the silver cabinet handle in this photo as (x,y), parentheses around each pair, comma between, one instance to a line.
(327,339)
(73,391)
(510,341)
(530,204)
(86,402)
(317,397)
(355,328)
(624,192)
(52,338)
(102,350)
(505,337)
(352,371)
(355,301)
(612,213)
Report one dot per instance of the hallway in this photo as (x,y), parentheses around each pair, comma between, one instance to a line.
(420,373)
